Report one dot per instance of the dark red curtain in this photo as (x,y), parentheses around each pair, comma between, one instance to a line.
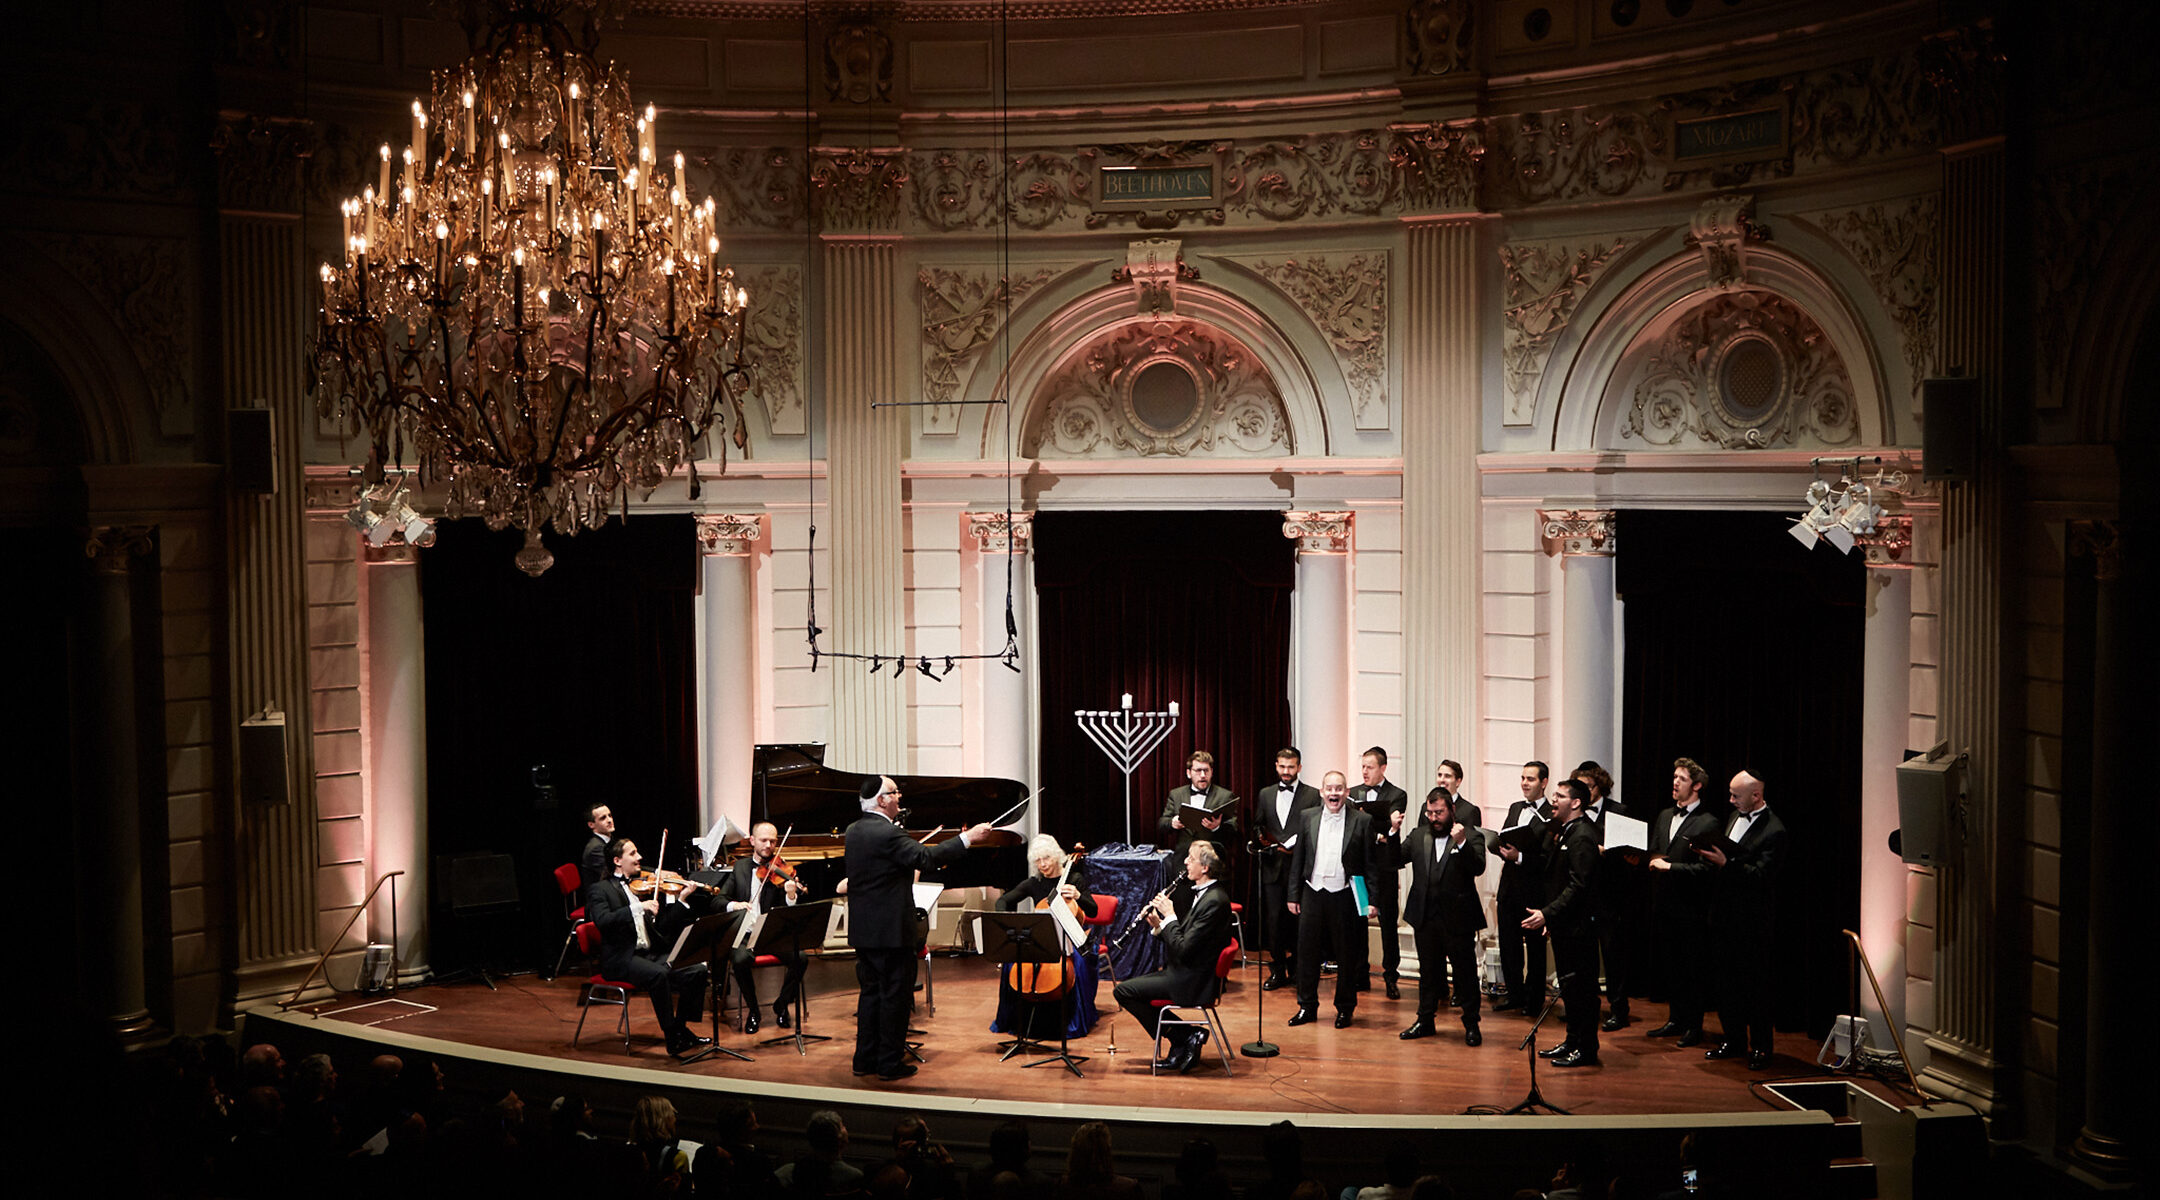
(587,670)
(1185,606)
(1743,653)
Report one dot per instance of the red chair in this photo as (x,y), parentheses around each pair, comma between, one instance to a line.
(1237,929)
(1105,911)
(1210,1019)
(570,882)
(618,992)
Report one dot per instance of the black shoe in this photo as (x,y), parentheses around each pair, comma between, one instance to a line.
(1725,1050)
(1758,1060)
(1668,1029)
(780,1017)
(1575,1058)
(1181,1059)
(1274,981)
(1614,1023)
(750,1021)
(1303,1016)
(1421,1028)
(1342,1020)
(1393,992)
(1555,1051)
(1505,1004)
(904,1070)
(1692,1037)
(1192,1051)
(1471,1036)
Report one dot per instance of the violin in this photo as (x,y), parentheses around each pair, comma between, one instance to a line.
(666,883)
(778,871)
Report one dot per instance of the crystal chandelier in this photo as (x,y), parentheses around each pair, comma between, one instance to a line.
(527,303)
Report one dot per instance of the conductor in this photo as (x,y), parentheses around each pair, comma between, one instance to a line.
(881,864)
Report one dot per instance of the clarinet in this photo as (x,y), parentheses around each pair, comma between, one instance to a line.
(1118,943)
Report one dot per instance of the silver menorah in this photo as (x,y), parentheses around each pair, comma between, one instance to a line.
(1128,737)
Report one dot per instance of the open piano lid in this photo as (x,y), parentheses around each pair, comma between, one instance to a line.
(791,786)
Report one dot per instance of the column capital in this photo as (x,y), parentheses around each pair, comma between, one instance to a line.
(2102,542)
(993,536)
(394,554)
(109,547)
(1571,532)
(1886,547)
(858,188)
(729,534)
(1319,532)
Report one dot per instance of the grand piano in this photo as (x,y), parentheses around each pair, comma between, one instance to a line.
(792,787)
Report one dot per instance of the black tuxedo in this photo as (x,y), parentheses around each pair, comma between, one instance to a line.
(1217,797)
(1743,929)
(593,864)
(881,864)
(1387,859)
(742,883)
(1191,946)
(1444,914)
(1522,888)
(1618,900)
(1571,857)
(1330,924)
(678,993)
(1680,910)
(1277,888)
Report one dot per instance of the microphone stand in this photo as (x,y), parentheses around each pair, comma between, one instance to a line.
(1536,1099)
(1259,1047)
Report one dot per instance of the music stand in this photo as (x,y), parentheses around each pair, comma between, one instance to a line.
(1029,938)
(711,936)
(788,928)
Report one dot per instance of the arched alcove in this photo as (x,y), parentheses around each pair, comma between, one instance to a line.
(1240,363)
(1781,353)
(84,352)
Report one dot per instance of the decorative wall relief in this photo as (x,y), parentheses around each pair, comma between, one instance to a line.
(139,281)
(1346,296)
(1545,281)
(757,187)
(1439,36)
(1574,154)
(1173,388)
(962,310)
(114,149)
(1720,231)
(775,344)
(1322,175)
(2076,213)
(1895,244)
(1743,371)
(857,189)
(1436,165)
(858,64)
(265,165)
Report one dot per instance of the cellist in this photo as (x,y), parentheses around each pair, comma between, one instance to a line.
(1052,876)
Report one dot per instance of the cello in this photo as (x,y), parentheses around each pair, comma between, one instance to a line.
(1042,983)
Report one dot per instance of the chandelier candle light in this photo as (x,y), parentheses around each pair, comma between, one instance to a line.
(537,312)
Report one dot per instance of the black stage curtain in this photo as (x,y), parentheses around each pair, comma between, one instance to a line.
(586,669)
(1743,653)
(1185,606)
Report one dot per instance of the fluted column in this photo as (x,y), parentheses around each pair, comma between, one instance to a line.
(263,307)
(1321,721)
(393,673)
(731,668)
(865,446)
(1584,540)
(2119,904)
(1002,553)
(1976,880)
(112,825)
(1885,706)
(1443,353)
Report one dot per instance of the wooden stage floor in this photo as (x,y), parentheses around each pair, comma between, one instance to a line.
(1364,1070)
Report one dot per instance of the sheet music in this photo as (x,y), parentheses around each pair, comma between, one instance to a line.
(1068,925)
(926,898)
(723,833)
(747,931)
(1626,833)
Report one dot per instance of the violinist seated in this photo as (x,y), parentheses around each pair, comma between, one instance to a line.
(628,911)
(760,882)
(1048,880)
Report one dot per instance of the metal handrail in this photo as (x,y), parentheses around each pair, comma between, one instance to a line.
(315,970)
(1883,1005)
